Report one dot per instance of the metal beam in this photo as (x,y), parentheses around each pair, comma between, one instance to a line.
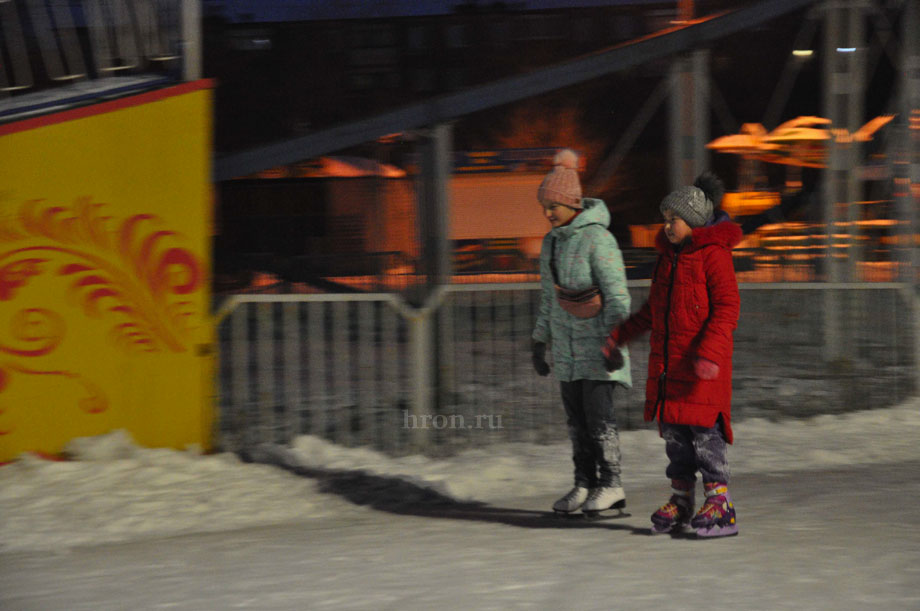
(609,166)
(446,108)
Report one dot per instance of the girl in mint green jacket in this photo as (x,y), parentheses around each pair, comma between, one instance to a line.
(577,254)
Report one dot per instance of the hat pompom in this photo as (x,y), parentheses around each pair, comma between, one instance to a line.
(567,158)
(711,186)
(561,185)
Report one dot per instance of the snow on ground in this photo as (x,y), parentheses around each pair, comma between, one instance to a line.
(115,491)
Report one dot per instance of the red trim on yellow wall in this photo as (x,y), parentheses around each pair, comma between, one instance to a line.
(104,107)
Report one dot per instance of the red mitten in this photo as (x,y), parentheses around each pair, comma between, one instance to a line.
(705,369)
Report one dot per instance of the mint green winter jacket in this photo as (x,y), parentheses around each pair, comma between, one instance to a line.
(586,254)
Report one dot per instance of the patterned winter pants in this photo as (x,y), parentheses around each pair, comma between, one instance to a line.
(593,431)
(695,448)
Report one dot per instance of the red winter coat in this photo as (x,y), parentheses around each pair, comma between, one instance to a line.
(692,311)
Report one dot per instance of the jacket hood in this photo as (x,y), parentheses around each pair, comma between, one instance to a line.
(722,231)
(594,213)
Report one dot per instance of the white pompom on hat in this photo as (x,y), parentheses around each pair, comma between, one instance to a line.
(562,185)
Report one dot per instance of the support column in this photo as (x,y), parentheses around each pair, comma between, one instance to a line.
(907,172)
(434,266)
(434,206)
(844,85)
(689,112)
(191,40)
(855,79)
(907,164)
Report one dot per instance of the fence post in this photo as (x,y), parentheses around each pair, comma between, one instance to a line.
(421,375)
(423,366)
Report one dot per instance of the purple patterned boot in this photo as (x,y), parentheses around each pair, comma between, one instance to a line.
(716,518)
(675,514)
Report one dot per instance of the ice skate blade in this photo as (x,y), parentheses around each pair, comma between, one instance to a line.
(717,532)
(618,506)
(606,514)
(563,513)
(610,513)
(575,516)
(677,530)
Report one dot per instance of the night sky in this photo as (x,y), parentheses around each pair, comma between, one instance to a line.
(297,10)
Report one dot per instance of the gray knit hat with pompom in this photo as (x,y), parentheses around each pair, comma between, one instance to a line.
(690,204)
(696,204)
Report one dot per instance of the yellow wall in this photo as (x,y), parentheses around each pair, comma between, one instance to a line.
(105,225)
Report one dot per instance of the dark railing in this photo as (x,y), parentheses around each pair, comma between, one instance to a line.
(68,52)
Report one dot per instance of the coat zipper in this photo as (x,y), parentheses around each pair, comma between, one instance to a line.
(662,379)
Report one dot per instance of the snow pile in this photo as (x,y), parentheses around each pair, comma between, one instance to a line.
(856,438)
(526,470)
(113,490)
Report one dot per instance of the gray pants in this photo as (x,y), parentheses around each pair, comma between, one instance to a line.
(695,448)
(593,431)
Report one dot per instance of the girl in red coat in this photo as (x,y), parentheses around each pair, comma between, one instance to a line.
(692,311)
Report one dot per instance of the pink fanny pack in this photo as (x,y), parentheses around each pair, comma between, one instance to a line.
(584,303)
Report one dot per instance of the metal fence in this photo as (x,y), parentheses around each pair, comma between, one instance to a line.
(329,365)
(365,369)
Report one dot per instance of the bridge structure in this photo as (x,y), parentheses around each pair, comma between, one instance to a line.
(63,54)
(848,54)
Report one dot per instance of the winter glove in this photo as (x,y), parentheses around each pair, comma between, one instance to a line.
(705,369)
(613,358)
(538,356)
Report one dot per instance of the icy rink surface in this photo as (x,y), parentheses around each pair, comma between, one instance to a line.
(827,509)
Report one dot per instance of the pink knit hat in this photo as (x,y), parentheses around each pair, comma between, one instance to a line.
(562,185)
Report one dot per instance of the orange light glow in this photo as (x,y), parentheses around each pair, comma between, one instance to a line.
(801,141)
